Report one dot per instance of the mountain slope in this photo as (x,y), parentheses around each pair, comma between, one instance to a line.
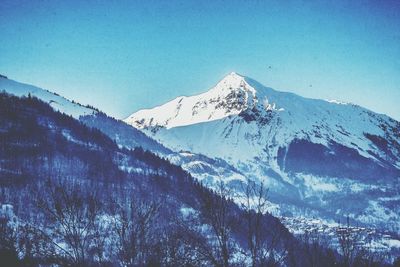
(203,168)
(87,114)
(44,154)
(315,155)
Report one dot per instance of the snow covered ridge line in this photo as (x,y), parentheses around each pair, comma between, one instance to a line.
(334,101)
(56,101)
(233,95)
(217,103)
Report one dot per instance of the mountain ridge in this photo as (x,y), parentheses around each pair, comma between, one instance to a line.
(289,142)
(233,81)
(56,101)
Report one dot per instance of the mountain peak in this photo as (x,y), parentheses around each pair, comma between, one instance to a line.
(232,77)
(232,81)
(234,74)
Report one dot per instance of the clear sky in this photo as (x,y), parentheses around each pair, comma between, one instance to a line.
(122,56)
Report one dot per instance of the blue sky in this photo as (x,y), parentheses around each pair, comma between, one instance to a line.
(122,56)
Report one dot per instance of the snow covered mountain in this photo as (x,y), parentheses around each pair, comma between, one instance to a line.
(319,159)
(323,158)
(315,156)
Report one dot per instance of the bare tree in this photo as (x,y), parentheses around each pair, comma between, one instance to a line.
(100,247)
(73,214)
(135,232)
(350,244)
(217,214)
(264,235)
(184,244)
(255,206)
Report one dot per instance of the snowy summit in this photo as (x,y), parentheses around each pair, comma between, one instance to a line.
(299,147)
(230,96)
